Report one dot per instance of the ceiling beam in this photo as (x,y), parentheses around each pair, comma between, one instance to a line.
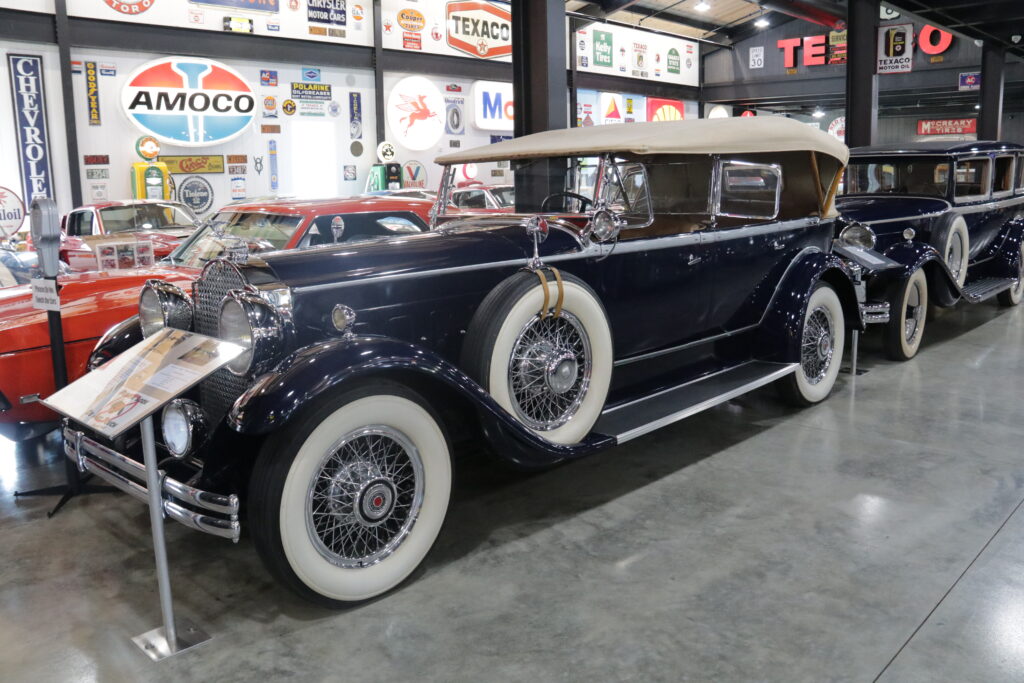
(609,6)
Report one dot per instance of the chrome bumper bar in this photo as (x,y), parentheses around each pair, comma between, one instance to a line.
(875,312)
(178,498)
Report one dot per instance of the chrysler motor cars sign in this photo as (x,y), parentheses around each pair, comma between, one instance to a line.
(478,28)
(189,101)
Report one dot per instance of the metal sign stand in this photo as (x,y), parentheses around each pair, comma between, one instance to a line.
(174,636)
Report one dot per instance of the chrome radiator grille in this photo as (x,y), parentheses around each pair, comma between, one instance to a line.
(218,391)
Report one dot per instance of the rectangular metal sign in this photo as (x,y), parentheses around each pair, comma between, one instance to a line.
(207,163)
(92,93)
(26,72)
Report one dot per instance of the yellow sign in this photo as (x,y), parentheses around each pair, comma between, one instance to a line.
(212,163)
(92,93)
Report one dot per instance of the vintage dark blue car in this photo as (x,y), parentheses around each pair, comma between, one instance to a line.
(652,271)
(941,222)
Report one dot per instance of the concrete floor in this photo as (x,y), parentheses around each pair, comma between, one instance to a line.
(874,537)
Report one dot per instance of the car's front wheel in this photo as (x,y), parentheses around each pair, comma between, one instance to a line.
(346,502)
(822,340)
(908,308)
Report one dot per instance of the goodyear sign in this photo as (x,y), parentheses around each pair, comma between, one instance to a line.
(92,93)
(188,101)
(26,73)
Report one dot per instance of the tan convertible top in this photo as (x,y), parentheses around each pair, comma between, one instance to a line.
(697,136)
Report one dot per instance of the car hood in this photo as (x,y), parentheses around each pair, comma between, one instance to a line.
(90,303)
(870,209)
(462,243)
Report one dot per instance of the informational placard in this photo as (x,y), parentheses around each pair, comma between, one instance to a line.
(44,294)
(757,57)
(475,29)
(616,50)
(112,252)
(334,21)
(138,382)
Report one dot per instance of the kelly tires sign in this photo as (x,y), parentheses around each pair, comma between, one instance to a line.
(189,101)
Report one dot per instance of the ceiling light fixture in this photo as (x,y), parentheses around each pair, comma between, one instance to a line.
(762,23)
(977,106)
(818,113)
(702,6)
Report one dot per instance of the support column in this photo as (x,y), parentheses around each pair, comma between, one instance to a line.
(861,80)
(539,83)
(63,36)
(378,74)
(993,65)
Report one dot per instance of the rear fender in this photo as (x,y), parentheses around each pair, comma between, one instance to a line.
(778,338)
(313,372)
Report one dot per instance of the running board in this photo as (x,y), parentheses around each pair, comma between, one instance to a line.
(630,420)
(987,287)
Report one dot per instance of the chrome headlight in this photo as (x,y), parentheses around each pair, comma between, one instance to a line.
(183,425)
(161,305)
(857,235)
(256,326)
(604,225)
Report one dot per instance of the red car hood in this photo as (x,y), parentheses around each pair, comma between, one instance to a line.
(90,304)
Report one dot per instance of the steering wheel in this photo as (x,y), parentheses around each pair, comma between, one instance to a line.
(571,195)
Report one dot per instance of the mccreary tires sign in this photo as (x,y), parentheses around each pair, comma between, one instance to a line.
(479,28)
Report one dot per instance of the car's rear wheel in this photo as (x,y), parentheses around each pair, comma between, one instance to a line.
(1013,295)
(822,340)
(346,502)
(551,372)
(908,308)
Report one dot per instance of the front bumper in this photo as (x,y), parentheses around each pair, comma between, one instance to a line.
(182,503)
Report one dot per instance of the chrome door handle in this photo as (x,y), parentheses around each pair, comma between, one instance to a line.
(778,244)
(694,260)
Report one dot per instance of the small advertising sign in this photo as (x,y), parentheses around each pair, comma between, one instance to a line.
(970,81)
(209,163)
(947,126)
(895,49)
(92,93)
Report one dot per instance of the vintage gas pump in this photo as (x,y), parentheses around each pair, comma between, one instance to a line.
(384,177)
(151,180)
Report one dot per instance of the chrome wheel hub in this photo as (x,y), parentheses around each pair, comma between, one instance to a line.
(914,314)
(365,496)
(549,371)
(818,345)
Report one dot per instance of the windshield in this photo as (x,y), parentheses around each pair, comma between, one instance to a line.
(505,196)
(922,176)
(155,216)
(228,231)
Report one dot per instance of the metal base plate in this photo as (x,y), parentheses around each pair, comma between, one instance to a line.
(155,644)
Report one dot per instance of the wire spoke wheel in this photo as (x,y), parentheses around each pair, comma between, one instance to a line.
(549,370)
(817,345)
(365,496)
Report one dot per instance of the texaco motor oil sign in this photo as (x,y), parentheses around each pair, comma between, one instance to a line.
(480,29)
(895,48)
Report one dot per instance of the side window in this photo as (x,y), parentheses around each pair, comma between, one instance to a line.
(1002,182)
(471,199)
(325,230)
(72,227)
(747,190)
(85,223)
(1020,174)
(626,191)
(972,179)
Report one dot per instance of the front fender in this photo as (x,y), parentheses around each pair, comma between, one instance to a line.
(914,255)
(115,341)
(313,371)
(780,331)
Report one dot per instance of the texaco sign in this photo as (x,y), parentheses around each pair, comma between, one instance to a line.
(478,28)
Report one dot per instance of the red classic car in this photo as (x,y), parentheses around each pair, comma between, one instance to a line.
(92,302)
(85,229)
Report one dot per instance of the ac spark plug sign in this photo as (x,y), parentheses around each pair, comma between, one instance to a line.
(189,102)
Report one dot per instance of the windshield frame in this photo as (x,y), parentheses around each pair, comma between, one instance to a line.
(135,208)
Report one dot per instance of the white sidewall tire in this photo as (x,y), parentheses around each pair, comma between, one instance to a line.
(1016,293)
(311,568)
(919,278)
(958,227)
(827,297)
(582,304)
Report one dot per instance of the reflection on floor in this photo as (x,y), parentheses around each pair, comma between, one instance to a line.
(753,542)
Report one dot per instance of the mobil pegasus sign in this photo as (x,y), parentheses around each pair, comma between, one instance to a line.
(188,101)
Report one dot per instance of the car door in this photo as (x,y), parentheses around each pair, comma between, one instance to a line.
(766,213)
(655,281)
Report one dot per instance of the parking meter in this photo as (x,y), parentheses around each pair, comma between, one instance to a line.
(45,222)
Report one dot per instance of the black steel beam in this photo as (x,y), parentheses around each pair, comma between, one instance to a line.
(30,26)
(63,36)
(993,67)
(861,80)
(609,6)
(539,78)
